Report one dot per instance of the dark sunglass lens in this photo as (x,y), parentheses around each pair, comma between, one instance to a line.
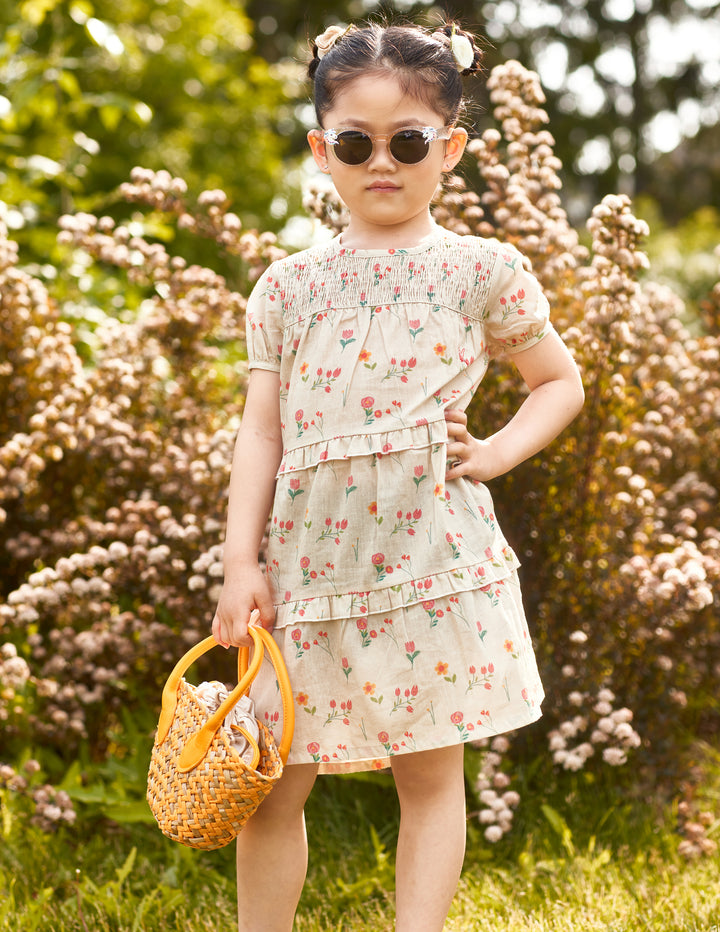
(353,147)
(409,146)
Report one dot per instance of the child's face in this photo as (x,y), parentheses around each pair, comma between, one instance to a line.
(386,198)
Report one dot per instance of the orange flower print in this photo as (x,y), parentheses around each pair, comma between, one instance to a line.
(441,668)
(440,349)
(364,355)
(372,508)
(302,698)
(510,648)
(369,689)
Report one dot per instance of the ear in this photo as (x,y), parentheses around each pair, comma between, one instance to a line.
(454,148)
(318,149)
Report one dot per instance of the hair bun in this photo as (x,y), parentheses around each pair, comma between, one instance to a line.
(468,57)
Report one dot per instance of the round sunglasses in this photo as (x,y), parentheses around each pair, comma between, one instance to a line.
(407,146)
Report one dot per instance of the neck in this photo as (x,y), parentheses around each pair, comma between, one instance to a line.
(404,236)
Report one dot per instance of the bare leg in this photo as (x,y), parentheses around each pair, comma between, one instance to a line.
(431,844)
(272,855)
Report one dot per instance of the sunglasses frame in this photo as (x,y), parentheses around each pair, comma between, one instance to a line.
(429,134)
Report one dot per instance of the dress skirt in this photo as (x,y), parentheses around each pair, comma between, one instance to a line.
(433,674)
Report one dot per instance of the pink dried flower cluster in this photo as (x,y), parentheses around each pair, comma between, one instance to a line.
(695,826)
(598,725)
(209,217)
(49,807)
(492,788)
(323,203)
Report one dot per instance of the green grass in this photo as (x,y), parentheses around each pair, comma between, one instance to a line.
(581,858)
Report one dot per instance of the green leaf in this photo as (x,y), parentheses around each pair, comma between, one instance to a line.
(124,872)
(69,83)
(560,827)
(110,116)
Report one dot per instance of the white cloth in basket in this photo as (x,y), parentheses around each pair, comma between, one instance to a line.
(242,715)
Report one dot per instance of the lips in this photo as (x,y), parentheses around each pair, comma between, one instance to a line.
(383,186)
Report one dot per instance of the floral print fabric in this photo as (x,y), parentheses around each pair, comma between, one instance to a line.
(397,604)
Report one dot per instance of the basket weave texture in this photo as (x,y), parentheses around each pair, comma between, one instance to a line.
(208,806)
(200,789)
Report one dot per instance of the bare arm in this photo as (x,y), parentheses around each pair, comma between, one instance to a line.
(556,397)
(258,451)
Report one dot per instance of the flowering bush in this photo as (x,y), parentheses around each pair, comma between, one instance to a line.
(114,470)
(113,475)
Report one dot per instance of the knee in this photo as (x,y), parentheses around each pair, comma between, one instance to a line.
(430,776)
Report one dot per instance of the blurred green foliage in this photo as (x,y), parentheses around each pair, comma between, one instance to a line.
(93,87)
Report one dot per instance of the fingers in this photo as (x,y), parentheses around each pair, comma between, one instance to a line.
(231,629)
(455,415)
(222,631)
(265,614)
(456,423)
(457,446)
(236,611)
(455,469)
(457,426)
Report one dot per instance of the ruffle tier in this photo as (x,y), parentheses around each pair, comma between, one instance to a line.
(424,433)
(430,591)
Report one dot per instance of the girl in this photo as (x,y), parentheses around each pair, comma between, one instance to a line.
(391,590)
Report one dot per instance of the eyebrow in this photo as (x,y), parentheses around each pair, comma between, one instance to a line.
(399,124)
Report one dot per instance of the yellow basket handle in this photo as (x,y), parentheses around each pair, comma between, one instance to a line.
(198,745)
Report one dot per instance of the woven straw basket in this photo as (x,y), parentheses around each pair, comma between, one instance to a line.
(200,789)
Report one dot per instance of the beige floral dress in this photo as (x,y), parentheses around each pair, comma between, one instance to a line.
(398,609)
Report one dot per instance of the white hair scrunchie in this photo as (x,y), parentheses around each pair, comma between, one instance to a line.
(327,39)
(462,49)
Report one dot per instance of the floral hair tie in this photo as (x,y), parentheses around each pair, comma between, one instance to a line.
(327,39)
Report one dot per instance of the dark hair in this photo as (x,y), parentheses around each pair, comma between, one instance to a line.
(424,63)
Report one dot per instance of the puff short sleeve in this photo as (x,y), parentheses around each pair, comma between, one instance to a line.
(263,324)
(518,313)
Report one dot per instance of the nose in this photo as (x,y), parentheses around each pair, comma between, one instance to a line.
(380,159)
